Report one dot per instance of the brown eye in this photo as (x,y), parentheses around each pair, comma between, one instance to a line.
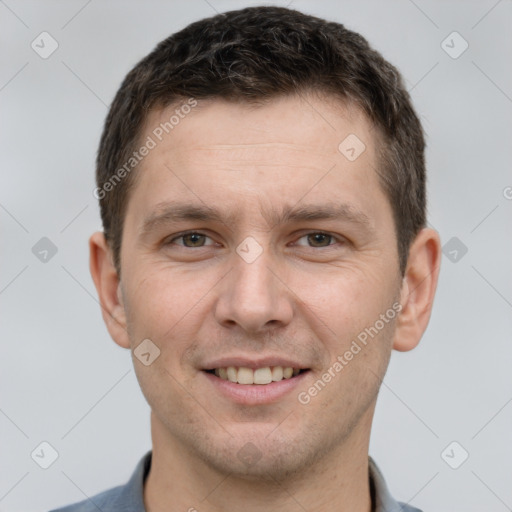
(317,239)
(195,239)
(190,240)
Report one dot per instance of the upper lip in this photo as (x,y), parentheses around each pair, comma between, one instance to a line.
(253,362)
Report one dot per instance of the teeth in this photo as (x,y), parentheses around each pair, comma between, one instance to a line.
(265,375)
(277,373)
(245,376)
(231,374)
(262,375)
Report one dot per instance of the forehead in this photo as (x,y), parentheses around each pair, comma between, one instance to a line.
(220,153)
(306,122)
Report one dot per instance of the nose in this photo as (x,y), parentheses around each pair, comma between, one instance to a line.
(254,296)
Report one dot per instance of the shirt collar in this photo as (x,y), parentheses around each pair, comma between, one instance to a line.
(382,500)
(132,494)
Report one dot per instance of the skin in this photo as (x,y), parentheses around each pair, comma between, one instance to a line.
(305,297)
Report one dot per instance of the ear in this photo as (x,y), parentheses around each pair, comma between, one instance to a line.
(108,286)
(418,289)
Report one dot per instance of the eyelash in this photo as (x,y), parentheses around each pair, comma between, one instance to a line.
(182,235)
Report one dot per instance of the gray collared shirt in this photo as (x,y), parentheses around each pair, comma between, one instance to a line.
(130,497)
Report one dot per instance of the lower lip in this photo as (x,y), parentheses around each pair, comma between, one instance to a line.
(255,394)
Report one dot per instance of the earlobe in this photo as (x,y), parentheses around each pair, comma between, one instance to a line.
(108,286)
(418,289)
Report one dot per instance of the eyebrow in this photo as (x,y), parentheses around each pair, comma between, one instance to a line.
(172,212)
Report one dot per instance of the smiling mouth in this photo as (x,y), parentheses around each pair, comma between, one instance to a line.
(262,376)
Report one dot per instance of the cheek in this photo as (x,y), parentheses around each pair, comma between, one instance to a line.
(343,301)
(167,304)
(170,306)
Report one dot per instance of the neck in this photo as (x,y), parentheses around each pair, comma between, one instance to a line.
(337,482)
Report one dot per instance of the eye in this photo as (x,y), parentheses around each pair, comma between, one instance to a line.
(318,239)
(191,239)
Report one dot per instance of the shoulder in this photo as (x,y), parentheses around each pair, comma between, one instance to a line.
(106,501)
(123,498)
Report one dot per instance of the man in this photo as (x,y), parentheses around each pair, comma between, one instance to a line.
(262,188)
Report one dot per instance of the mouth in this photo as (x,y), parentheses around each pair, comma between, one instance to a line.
(256,376)
(257,386)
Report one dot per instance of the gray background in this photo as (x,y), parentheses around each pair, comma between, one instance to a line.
(65,382)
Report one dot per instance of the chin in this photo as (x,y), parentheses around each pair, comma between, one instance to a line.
(259,456)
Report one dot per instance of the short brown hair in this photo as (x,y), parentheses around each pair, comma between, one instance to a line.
(253,55)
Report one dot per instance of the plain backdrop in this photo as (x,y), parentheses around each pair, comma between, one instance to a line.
(63,380)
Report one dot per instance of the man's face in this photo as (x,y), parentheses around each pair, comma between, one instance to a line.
(258,286)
